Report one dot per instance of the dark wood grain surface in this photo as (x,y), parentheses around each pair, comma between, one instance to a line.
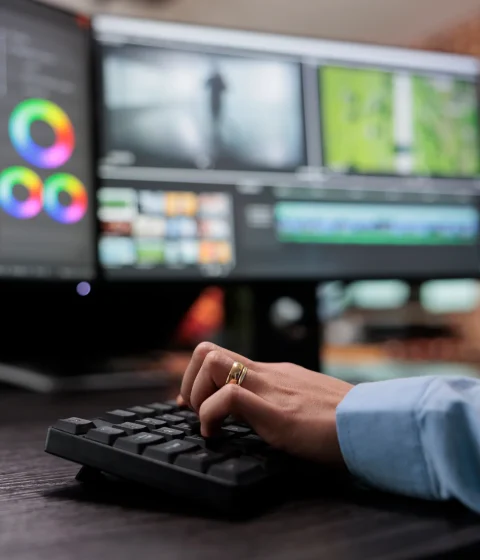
(46,515)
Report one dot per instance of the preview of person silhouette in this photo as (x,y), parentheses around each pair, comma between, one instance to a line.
(217,88)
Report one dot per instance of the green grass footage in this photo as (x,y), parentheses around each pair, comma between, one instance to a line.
(446,127)
(358,119)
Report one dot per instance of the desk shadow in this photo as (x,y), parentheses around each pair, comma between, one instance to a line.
(102,489)
(306,493)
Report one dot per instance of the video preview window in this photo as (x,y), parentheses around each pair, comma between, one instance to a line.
(178,109)
(378,122)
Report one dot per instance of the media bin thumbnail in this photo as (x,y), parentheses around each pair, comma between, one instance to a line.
(165,230)
(179,109)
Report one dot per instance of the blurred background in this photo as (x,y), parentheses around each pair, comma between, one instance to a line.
(297,181)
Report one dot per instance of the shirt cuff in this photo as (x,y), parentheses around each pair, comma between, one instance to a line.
(379,436)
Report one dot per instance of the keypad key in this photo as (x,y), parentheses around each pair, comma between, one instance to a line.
(143,411)
(173,403)
(171,419)
(105,434)
(119,416)
(201,460)
(238,471)
(198,440)
(74,425)
(237,430)
(194,425)
(152,423)
(161,408)
(131,428)
(248,444)
(272,460)
(138,442)
(188,415)
(209,443)
(99,422)
(168,452)
(188,429)
(232,420)
(170,433)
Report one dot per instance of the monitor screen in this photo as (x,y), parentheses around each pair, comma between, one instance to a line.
(47,222)
(237,155)
(199,110)
(399,123)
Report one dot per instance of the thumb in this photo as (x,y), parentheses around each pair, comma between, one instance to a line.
(234,400)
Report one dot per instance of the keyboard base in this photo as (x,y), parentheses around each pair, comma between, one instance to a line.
(165,477)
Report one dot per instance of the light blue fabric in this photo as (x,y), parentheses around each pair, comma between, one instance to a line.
(417,437)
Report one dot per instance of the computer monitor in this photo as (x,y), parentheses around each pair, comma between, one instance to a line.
(47,217)
(242,156)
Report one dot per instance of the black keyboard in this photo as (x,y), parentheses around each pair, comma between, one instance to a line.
(160,445)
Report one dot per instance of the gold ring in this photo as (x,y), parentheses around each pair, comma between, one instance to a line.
(237,374)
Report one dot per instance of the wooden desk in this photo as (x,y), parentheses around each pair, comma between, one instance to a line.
(46,515)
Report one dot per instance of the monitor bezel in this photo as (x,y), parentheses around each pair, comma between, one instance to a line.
(54,283)
(253,39)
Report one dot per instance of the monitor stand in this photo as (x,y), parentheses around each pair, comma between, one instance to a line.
(101,373)
(274,322)
(56,341)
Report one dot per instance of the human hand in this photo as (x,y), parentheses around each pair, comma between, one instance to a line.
(291,408)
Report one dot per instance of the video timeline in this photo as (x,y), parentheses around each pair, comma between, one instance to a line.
(376,224)
(167,229)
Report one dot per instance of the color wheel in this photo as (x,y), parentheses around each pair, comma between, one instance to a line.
(16,176)
(21,120)
(64,182)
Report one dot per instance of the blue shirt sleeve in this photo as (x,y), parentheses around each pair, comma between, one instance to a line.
(417,437)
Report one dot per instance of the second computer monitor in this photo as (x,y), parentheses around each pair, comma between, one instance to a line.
(247,156)
(47,217)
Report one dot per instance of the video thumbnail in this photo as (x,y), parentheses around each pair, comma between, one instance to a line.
(146,229)
(446,127)
(378,122)
(357,117)
(180,109)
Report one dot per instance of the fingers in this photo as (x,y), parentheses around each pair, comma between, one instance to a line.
(180,401)
(241,403)
(213,375)
(197,361)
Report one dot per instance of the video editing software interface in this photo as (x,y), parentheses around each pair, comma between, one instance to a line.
(47,226)
(230,154)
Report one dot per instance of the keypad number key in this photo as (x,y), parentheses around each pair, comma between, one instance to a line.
(200,461)
(105,434)
(75,426)
(170,433)
(160,408)
(168,452)
(119,416)
(138,442)
(237,430)
(131,428)
(152,423)
(142,411)
(171,419)
(238,471)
